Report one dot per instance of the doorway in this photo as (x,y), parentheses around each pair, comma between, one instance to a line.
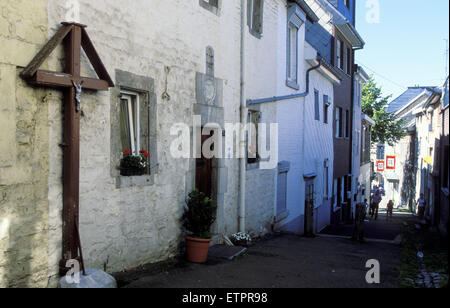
(203,170)
(309,208)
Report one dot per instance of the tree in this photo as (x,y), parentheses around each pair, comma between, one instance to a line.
(388,129)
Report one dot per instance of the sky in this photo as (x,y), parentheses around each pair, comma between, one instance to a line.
(407,47)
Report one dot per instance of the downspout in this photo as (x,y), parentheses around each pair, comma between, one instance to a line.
(286,97)
(304,109)
(242,144)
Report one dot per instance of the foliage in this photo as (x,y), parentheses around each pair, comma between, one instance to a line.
(199,215)
(131,161)
(387,128)
(434,248)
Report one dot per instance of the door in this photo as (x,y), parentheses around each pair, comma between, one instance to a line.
(203,172)
(309,208)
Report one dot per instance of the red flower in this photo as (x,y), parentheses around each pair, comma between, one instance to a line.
(145,153)
(127,152)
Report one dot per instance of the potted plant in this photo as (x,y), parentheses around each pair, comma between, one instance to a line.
(241,239)
(134,165)
(198,218)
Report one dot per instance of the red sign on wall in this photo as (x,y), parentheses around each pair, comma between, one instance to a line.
(390,162)
(380,166)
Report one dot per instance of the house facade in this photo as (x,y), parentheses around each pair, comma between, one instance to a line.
(362,168)
(342,40)
(196,67)
(443,192)
(397,166)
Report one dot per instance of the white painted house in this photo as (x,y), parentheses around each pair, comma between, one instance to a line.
(362,164)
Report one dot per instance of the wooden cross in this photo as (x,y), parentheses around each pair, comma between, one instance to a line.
(74,37)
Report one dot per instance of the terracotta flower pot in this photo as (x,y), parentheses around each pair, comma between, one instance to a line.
(197,249)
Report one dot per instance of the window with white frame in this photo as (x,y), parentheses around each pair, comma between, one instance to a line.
(255,12)
(295,21)
(293,53)
(130,121)
(340,49)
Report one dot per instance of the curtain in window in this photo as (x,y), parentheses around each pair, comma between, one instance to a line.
(125,125)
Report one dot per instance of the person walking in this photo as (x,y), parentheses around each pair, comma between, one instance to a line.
(421,203)
(390,209)
(376,204)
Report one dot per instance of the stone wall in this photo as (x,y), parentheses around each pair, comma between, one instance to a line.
(24,145)
(124,227)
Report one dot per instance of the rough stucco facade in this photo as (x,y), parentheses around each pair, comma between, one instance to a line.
(123,227)
(24,148)
(124,222)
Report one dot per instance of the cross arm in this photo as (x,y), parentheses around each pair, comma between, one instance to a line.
(53,79)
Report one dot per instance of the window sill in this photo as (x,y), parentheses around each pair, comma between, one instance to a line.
(255,33)
(213,9)
(135,181)
(292,84)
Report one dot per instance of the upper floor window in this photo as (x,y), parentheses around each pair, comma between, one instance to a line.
(349,61)
(326,107)
(380,152)
(296,19)
(347,122)
(316,105)
(338,122)
(347,3)
(255,12)
(340,50)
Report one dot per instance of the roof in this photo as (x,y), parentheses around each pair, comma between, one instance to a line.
(344,25)
(310,15)
(408,96)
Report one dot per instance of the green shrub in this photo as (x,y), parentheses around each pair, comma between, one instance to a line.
(199,215)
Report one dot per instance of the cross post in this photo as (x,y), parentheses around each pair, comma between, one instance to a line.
(74,37)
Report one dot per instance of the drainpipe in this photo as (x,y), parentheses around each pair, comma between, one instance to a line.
(242,144)
(292,96)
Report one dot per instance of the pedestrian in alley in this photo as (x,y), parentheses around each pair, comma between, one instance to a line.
(376,204)
(390,209)
(361,212)
(421,203)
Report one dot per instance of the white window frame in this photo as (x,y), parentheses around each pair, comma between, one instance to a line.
(296,19)
(135,130)
(251,15)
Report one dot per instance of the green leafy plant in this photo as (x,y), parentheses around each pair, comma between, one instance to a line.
(388,129)
(199,215)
